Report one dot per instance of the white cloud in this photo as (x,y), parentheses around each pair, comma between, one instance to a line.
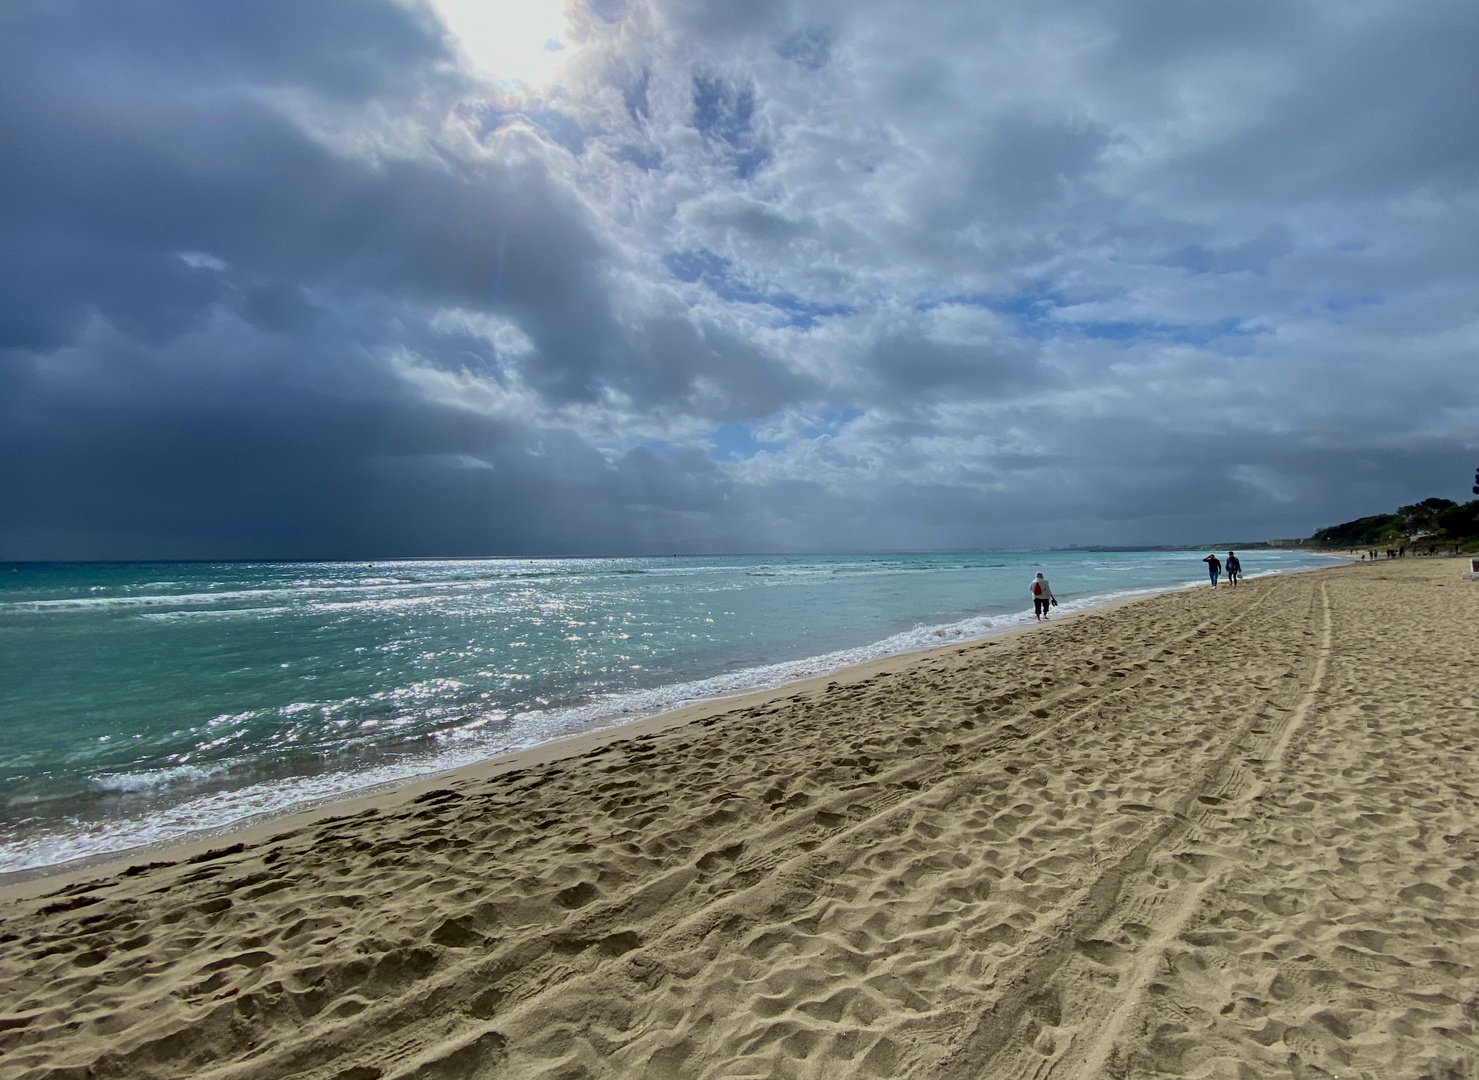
(202,260)
(500,332)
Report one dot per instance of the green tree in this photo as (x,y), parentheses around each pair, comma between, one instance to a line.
(1459,522)
(1363,532)
(1421,518)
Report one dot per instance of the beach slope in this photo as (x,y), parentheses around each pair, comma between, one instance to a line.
(1209,834)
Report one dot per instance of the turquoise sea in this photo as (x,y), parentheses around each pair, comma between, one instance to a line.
(143,702)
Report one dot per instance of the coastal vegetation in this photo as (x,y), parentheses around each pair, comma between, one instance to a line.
(1434,524)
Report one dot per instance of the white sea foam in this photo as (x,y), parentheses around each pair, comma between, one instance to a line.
(228,596)
(128,783)
(215,614)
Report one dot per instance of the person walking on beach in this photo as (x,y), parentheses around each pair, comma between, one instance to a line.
(1234,568)
(1042,597)
(1214,567)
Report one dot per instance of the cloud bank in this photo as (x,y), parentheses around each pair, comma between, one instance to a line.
(298,280)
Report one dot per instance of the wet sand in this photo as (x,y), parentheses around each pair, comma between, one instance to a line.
(1209,834)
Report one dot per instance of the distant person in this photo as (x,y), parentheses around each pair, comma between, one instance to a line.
(1042,597)
(1233,567)
(1214,568)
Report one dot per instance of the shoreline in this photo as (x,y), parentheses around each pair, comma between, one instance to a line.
(253,830)
(379,797)
(1195,835)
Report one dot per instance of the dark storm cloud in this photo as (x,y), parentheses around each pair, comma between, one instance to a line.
(241,457)
(151,187)
(339,47)
(811,48)
(912,367)
(289,279)
(1098,484)
(1381,104)
(729,18)
(673,354)
(126,190)
(1021,159)
(124,186)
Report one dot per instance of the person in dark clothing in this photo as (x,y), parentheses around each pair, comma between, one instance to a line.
(1233,567)
(1214,568)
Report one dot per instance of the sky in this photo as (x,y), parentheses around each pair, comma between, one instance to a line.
(377,278)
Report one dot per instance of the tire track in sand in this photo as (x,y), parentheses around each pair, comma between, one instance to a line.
(1105,1008)
(1180,910)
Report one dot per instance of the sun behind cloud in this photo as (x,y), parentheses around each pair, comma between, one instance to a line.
(523,41)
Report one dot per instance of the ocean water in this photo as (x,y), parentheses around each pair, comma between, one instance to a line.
(144,702)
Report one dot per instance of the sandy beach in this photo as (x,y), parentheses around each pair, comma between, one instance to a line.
(1208,834)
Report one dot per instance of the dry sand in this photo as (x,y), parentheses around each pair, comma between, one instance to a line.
(1230,834)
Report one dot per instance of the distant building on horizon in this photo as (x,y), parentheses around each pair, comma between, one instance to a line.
(1296,541)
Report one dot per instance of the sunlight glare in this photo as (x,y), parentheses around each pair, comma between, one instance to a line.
(510,40)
